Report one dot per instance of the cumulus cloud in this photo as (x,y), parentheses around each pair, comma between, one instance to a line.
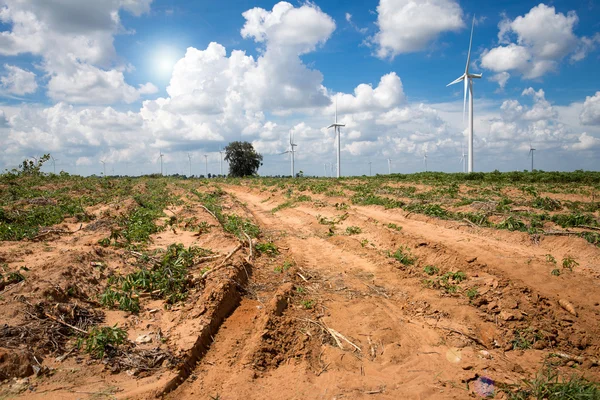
(407,26)
(590,114)
(85,69)
(535,43)
(387,94)
(17,81)
(586,142)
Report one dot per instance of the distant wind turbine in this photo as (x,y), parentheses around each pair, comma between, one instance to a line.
(190,160)
(54,160)
(389,160)
(370,174)
(160,155)
(463,160)
(206,163)
(531,150)
(468,81)
(325,168)
(103,167)
(425,161)
(336,129)
(291,151)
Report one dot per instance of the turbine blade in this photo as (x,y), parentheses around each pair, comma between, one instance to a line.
(456,80)
(470,43)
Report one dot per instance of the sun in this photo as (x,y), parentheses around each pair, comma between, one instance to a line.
(163,61)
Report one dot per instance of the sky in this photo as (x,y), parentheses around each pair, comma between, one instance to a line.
(122,81)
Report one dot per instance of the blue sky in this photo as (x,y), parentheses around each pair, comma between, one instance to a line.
(85,86)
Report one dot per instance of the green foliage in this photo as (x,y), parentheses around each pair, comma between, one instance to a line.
(353,230)
(569,262)
(555,272)
(243,159)
(546,203)
(512,224)
(404,256)
(572,220)
(365,199)
(29,167)
(286,265)
(268,248)
(103,340)
(550,385)
(308,304)
(550,258)
(431,270)
(394,227)
(472,293)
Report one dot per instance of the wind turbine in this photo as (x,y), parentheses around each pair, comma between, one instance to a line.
(389,160)
(291,151)
(336,129)
(103,167)
(370,174)
(161,155)
(463,160)
(325,168)
(206,163)
(54,160)
(531,150)
(190,160)
(425,160)
(221,162)
(468,80)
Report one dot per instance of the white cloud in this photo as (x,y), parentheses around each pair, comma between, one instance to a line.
(17,81)
(535,43)
(586,142)
(501,78)
(590,113)
(354,26)
(85,69)
(387,94)
(407,26)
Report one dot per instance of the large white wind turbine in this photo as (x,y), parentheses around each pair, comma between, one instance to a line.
(103,167)
(467,78)
(54,160)
(206,163)
(531,150)
(160,155)
(389,160)
(291,151)
(336,129)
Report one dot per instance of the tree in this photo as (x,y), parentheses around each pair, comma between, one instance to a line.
(243,159)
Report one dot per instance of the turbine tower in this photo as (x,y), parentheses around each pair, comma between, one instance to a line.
(161,155)
(103,167)
(370,174)
(291,151)
(425,160)
(206,163)
(531,150)
(389,160)
(336,129)
(190,160)
(467,77)
(325,168)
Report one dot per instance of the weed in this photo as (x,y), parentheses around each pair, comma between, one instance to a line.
(555,272)
(472,293)
(364,242)
(546,203)
(308,304)
(569,262)
(512,224)
(280,268)
(353,230)
(550,258)
(300,290)
(268,248)
(394,226)
(103,340)
(431,270)
(404,256)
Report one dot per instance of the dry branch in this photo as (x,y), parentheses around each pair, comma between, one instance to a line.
(53,318)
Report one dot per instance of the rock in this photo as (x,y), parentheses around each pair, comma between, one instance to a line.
(518,369)
(485,354)
(509,303)
(143,339)
(511,315)
(508,347)
(570,363)
(15,364)
(471,260)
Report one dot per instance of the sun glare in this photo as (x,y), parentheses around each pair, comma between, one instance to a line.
(163,61)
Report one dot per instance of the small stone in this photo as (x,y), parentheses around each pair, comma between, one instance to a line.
(540,345)
(471,260)
(518,369)
(485,354)
(142,339)
(570,363)
(508,347)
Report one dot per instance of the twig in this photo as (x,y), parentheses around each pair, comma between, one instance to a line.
(251,256)
(570,357)
(473,225)
(211,213)
(303,278)
(473,338)
(336,335)
(595,228)
(65,324)
(561,233)
(204,275)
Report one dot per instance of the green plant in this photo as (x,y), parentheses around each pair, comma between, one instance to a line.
(550,258)
(353,230)
(404,256)
(555,272)
(549,384)
(268,248)
(472,293)
(431,270)
(512,224)
(102,340)
(521,340)
(300,290)
(364,242)
(308,304)
(394,226)
(569,262)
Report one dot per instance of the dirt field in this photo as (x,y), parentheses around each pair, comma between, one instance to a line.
(307,289)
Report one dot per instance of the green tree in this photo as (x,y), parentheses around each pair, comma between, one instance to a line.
(243,159)
(29,167)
